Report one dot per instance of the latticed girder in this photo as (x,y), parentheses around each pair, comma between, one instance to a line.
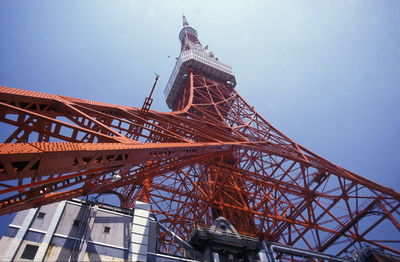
(213,156)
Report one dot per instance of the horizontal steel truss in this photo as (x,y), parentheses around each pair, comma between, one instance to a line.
(214,155)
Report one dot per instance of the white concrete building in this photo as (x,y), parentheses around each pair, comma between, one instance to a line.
(76,230)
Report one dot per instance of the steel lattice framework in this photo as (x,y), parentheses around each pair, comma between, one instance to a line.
(214,155)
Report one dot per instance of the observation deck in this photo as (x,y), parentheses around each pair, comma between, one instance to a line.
(200,61)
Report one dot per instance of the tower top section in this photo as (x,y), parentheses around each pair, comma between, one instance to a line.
(185,22)
(195,57)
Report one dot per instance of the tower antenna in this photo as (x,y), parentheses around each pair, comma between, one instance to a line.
(149,100)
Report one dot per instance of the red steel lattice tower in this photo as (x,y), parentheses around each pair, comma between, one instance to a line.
(212,156)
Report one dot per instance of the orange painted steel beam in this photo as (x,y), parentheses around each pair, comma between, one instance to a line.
(41,159)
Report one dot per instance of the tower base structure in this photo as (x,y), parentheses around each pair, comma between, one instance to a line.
(221,242)
(82,230)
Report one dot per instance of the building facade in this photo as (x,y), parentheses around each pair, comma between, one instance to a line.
(77,230)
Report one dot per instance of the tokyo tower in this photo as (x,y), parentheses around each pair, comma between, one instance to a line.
(212,156)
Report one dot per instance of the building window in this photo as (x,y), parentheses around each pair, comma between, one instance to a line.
(41,215)
(29,252)
(76,223)
(107,229)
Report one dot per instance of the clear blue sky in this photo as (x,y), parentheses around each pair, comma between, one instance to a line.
(326,73)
